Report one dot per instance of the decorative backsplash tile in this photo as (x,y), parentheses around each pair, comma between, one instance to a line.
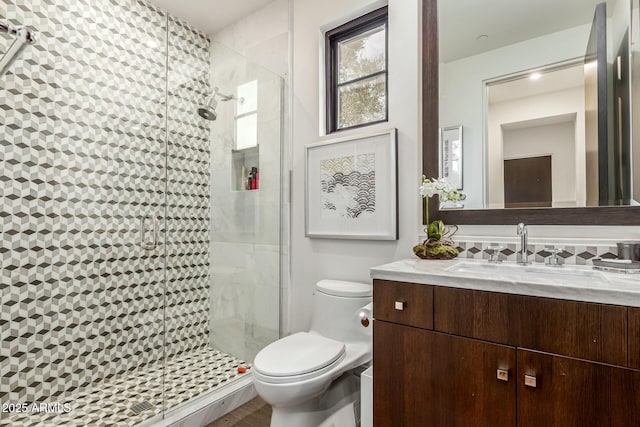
(571,254)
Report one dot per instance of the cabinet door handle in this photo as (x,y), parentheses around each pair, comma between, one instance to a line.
(503,375)
(399,305)
(530,381)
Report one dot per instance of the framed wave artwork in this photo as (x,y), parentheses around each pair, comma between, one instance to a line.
(351,187)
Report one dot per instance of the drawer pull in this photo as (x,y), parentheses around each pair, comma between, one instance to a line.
(530,381)
(400,305)
(503,374)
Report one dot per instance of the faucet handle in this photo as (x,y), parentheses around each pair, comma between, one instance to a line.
(494,253)
(553,259)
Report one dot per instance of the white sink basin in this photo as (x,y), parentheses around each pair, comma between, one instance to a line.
(530,273)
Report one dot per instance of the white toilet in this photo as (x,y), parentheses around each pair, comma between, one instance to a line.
(304,376)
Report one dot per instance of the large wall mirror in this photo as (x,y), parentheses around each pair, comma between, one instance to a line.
(528,109)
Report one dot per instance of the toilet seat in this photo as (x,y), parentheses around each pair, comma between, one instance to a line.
(297,357)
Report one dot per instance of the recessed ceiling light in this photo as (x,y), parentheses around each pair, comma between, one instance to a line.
(535,76)
(482,37)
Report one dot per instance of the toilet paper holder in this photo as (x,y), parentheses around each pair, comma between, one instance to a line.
(365,314)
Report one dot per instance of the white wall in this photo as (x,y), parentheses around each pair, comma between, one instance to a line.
(537,108)
(315,259)
(462,91)
(262,36)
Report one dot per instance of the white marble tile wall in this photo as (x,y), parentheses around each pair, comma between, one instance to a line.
(262,36)
(245,225)
(244,296)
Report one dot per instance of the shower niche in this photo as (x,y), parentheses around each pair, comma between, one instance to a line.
(245,169)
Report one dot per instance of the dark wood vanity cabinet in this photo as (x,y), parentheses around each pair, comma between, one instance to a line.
(589,331)
(460,357)
(634,337)
(417,371)
(416,301)
(574,392)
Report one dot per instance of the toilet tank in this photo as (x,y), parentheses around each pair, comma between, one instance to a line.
(336,306)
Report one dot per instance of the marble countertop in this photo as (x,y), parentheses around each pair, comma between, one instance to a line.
(578,283)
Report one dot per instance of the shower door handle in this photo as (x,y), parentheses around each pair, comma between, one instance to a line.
(151,244)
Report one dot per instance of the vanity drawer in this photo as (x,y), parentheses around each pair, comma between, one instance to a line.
(409,304)
(584,330)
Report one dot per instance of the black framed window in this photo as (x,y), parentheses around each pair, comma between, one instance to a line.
(356,72)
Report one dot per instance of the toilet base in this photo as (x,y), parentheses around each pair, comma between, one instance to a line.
(339,406)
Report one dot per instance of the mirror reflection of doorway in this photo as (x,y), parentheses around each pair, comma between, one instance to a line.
(528,182)
(550,120)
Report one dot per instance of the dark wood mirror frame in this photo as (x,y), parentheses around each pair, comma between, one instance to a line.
(614,215)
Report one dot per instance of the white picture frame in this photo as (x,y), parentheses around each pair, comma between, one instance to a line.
(451,155)
(351,187)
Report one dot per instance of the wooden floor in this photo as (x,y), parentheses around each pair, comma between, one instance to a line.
(256,413)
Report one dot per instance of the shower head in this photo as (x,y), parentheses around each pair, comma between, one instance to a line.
(23,38)
(208,111)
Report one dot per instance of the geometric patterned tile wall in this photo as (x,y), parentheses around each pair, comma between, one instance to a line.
(572,254)
(83,146)
(188,178)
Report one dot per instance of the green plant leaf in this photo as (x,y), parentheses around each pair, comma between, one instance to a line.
(435,230)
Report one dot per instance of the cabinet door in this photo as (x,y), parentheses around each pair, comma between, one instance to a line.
(569,392)
(422,378)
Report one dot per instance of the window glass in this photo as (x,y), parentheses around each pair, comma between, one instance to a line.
(357,72)
(362,55)
(362,102)
(247,131)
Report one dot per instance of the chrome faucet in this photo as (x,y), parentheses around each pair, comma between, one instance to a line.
(523,255)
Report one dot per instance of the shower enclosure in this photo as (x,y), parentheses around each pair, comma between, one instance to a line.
(140,242)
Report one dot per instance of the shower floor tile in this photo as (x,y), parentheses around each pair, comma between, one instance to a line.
(114,403)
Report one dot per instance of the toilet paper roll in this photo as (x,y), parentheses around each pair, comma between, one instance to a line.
(366,314)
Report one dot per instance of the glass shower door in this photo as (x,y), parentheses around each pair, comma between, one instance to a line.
(223,215)
(247,143)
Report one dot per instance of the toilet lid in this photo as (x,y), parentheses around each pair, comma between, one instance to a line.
(297,354)
(341,288)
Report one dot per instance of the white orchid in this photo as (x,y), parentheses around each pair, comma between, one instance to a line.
(439,243)
(443,188)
